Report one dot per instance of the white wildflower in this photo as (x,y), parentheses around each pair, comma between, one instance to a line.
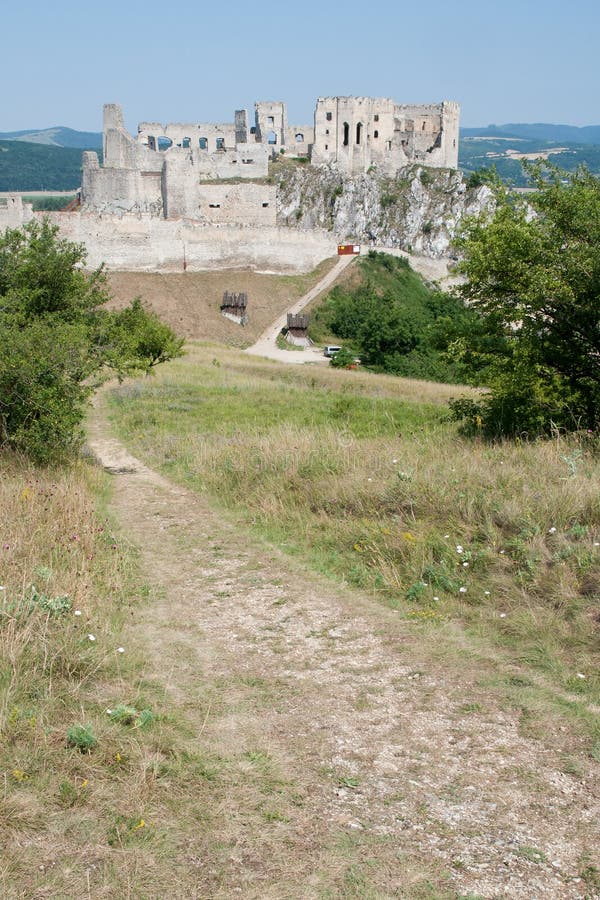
(580,675)
(465,565)
(487,593)
(120,649)
(91,637)
(552,530)
(77,612)
(502,615)
(459,549)
(462,590)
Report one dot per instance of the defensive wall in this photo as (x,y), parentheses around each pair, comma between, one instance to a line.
(150,244)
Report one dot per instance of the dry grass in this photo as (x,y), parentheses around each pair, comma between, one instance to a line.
(190,302)
(76,823)
(362,475)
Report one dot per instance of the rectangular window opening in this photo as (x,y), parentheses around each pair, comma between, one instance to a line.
(214,206)
(329,117)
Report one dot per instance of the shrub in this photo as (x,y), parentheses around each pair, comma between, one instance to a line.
(58,342)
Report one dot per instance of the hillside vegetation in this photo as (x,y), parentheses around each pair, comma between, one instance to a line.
(364,477)
(393,320)
(26,166)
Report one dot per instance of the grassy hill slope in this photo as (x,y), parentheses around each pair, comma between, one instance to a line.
(38,167)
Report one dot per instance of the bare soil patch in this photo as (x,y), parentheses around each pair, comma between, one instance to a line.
(190,302)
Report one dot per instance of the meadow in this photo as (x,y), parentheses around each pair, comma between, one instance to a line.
(365,478)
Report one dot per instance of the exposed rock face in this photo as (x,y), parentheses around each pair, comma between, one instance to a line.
(419,210)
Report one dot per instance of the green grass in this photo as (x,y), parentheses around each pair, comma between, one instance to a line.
(364,477)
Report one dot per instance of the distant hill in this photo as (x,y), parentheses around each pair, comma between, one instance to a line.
(588,134)
(57,137)
(505,146)
(38,167)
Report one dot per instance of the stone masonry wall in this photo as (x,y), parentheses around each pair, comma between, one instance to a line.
(148,244)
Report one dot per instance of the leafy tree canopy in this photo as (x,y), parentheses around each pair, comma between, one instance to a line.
(58,342)
(394,321)
(533,275)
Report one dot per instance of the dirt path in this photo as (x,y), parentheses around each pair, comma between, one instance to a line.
(266,346)
(431,269)
(380,774)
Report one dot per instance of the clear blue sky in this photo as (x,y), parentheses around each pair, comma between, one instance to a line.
(515,61)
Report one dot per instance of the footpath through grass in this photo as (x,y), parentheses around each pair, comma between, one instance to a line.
(102,783)
(365,477)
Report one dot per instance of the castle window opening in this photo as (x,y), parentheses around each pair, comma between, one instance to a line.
(299,138)
(214,206)
(327,131)
(220,143)
(164,143)
(247,162)
(329,117)
(423,127)
(327,146)
(454,142)
(389,145)
(346,134)
(265,205)
(151,143)
(203,143)
(359,132)
(271,138)
(375,134)
(270,120)
(186,143)
(376,117)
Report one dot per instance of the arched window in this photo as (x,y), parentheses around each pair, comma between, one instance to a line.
(346,134)
(271,137)
(299,138)
(221,143)
(151,142)
(164,143)
(359,129)
(375,134)
(186,143)
(203,143)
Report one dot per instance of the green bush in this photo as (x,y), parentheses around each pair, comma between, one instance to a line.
(534,282)
(58,342)
(395,321)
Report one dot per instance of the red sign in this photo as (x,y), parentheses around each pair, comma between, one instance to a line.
(348,249)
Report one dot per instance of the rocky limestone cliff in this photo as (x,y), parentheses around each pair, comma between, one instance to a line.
(419,210)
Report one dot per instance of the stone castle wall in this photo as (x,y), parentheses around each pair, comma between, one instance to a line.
(146,243)
(13,212)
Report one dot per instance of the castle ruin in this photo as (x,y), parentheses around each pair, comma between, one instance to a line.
(216,173)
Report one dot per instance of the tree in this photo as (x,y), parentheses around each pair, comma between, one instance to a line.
(58,342)
(533,275)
